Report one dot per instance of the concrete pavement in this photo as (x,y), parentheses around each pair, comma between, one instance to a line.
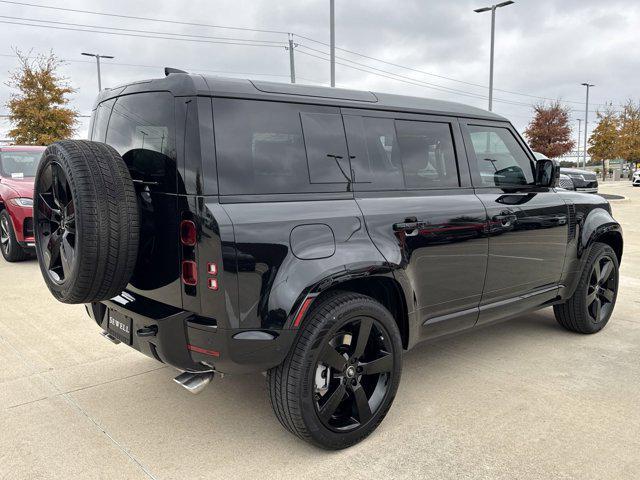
(523,399)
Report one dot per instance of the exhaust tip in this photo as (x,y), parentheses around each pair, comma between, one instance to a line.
(194,382)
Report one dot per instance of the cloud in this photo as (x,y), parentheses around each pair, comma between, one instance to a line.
(543,48)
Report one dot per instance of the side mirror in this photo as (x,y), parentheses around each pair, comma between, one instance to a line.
(547,173)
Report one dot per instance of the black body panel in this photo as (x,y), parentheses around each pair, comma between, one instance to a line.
(293,192)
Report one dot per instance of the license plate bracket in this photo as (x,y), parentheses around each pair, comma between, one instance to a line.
(119,326)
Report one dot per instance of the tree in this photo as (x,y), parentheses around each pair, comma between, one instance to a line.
(38,111)
(549,132)
(629,133)
(603,142)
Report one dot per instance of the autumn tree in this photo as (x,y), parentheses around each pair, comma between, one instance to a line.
(604,140)
(629,133)
(549,132)
(39,112)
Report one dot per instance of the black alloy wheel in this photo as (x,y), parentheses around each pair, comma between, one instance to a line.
(601,292)
(9,246)
(57,223)
(353,374)
(341,376)
(593,301)
(5,239)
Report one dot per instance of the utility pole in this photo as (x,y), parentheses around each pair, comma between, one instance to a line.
(292,62)
(586,122)
(98,57)
(578,144)
(492,9)
(332,42)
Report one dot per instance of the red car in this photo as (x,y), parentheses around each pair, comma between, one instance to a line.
(18,166)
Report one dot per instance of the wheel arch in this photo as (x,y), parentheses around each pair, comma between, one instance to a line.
(383,288)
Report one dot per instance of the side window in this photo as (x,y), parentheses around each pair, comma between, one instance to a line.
(501,160)
(326,148)
(142,130)
(428,156)
(376,157)
(101,120)
(271,148)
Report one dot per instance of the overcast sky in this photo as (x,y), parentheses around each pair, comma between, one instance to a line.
(544,48)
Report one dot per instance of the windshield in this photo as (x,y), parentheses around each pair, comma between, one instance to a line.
(19,164)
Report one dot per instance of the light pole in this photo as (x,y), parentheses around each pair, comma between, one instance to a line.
(586,122)
(578,144)
(492,9)
(98,57)
(332,40)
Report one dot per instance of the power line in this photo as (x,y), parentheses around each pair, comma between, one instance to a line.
(162,20)
(143,36)
(279,43)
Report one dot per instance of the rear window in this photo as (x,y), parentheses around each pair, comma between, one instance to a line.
(272,148)
(141,128)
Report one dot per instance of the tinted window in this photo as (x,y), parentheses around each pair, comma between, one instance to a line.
(101,120)
(260,148)
(141,129)
(326,148)
(501,160)
(428,157)
(376,158)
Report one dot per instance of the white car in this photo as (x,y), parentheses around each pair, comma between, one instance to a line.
(635,180)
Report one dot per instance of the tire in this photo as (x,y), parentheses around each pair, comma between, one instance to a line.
(303,407)
(86,221)
(592,303)
(9,246)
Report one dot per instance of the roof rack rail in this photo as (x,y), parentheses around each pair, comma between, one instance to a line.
(168,71)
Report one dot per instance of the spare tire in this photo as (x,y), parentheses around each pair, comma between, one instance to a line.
(86,221)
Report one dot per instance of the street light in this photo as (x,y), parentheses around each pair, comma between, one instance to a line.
(586,122)
(492,9)
(579,138)
(98,57)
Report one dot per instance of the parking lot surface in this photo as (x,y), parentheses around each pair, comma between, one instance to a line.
(521,399)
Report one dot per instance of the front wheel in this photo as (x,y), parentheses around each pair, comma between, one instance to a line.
(592,303)
(9,246)
(341,376)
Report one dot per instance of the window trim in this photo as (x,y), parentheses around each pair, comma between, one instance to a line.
(473,160)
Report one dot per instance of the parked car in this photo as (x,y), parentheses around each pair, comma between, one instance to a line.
(18,166)
(583,180)
(635,179)
(233,226)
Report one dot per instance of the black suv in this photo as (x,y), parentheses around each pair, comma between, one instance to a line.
(235,226)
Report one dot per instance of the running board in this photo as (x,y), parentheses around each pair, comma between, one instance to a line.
(194,382)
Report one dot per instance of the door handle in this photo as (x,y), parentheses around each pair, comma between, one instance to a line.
(409,227)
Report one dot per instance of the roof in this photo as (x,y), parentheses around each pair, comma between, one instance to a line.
(181,84)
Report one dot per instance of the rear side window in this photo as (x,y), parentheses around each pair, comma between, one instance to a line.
(141,129)
(500,159)
(428,157)
(271,148)
(376,157)
(101,120)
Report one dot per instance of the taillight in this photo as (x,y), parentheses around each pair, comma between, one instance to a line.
(212,268)
(188,233)
(212,283)
(189,272)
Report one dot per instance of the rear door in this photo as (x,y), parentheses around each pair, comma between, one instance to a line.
(528,225)
(412,183)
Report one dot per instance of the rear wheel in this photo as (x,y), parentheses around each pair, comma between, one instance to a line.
(9,246)
(86,221)
(340,379)
(591,305)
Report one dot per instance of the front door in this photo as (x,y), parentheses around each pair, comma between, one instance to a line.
(527,225)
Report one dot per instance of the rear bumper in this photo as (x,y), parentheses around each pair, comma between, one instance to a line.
(194,344)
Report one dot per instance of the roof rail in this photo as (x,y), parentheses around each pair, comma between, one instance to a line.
(168,71)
